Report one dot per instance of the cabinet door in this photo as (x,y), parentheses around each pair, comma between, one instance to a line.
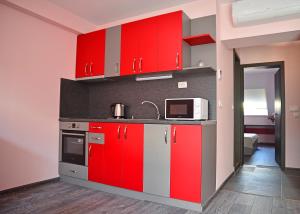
(129,48)
(81,56)
(157,159)
(170,41)
(95,162)
(112,154)
(112,51)
(96,53)
(132,156)
(147,41)
(186,162)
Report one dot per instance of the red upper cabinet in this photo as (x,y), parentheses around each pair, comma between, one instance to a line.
(90,54)
(129,48)
(186,165)
(132,156)
(170,41)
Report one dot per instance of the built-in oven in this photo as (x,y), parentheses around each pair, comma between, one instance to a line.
(73,143)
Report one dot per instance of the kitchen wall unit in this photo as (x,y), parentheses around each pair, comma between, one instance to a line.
(155,44)
(90,54)
(119,161)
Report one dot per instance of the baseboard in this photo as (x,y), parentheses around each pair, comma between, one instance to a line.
(292,171)
(26,186)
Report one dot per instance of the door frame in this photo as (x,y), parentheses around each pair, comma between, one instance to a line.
(240,100)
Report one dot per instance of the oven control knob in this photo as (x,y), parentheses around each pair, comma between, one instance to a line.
(73,125)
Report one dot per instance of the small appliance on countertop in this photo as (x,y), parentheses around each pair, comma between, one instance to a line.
(118,110)
(186,109)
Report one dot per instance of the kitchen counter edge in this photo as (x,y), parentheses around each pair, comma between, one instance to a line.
(143,121)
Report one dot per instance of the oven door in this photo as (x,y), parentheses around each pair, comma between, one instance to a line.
(73,147)
(180,109)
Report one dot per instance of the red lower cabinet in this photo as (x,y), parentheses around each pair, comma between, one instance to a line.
(95,161)
(119,161)
(186,164)
(132,156)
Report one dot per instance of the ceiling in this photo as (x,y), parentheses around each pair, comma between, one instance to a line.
(100,12)
(260,70)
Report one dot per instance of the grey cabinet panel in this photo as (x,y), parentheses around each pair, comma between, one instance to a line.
(157,159)
(112,51)
(72,170)
(97,138)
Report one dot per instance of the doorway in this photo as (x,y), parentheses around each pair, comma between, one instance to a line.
(259,137)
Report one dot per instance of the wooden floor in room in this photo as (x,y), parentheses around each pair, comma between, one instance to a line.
(235,197)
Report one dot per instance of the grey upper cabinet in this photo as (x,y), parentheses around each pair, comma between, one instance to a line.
(157,159)
(112,52)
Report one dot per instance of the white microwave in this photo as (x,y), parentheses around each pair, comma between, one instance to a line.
(186,109)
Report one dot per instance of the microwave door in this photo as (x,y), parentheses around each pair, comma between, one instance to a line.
(178,109)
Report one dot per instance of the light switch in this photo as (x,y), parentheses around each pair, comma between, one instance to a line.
(182,84)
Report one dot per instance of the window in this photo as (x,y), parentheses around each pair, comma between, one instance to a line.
(255,102)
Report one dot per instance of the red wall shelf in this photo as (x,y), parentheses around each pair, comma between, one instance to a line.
(200,39)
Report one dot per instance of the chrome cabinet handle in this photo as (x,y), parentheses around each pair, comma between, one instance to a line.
(119,132)
(85,67)
(174,135)
(96,127)
(140,64)
(91,68)
(166,140)
(133,65)
(125,132)
(177,60)
(73,171)
(90,149)
(96,138)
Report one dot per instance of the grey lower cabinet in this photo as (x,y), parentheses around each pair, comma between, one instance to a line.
(157,150)
(112,52)
(73,170)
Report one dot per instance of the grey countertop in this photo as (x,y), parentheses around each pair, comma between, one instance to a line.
(144,121)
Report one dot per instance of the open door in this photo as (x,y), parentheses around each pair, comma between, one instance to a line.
(279,119)
(238,113)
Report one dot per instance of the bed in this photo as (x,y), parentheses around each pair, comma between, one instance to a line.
(250,143)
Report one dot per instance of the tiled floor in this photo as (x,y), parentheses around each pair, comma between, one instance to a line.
(253,190)
(263,156)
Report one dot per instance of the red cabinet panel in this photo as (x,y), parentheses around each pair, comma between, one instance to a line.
(95,162)
(147,44)
(90,54)
(96,127)
(186,164)
(97,52)
(132,156)
(129,48)
(170,41)
(112,154)
(82,56)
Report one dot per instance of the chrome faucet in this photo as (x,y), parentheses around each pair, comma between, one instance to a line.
(157,111)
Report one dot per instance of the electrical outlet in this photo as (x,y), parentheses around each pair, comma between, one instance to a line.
(182,84)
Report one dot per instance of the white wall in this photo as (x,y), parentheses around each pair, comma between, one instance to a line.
(290,54)
(34,55)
